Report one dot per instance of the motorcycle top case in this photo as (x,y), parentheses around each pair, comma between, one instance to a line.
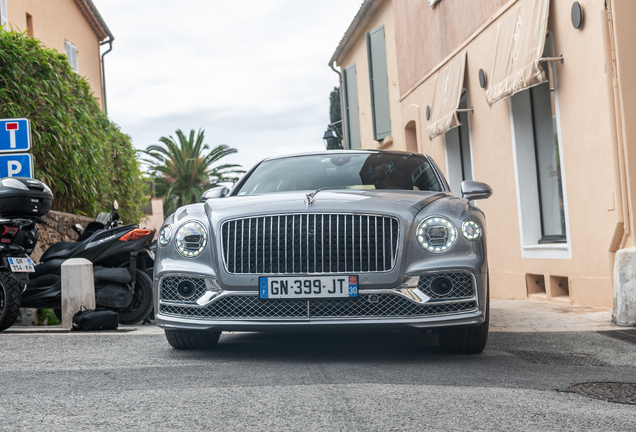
(20,196)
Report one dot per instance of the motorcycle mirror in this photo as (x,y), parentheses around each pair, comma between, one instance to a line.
(78,228)
(115,205)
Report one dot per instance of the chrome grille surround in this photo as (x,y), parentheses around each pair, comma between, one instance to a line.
(310,243)
(383,305)
(168,288)
(464,285)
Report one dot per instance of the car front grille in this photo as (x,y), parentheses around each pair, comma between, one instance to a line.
(462,285)
(169,289)
(236,307)
(310,243)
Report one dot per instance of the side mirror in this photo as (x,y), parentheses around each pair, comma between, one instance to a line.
(474,190)
(78,228)
(115,205)
(216,192)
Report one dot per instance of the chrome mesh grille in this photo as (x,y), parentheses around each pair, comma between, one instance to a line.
(463,286)
(310,243)
(252,307)
(168,289)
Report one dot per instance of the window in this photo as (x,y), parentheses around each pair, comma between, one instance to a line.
(540,183)
(3,12)
(71,54)
(458,150)
(351,107)
(379,79)
(29,22)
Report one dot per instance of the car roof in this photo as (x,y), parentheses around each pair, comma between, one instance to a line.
(354,151)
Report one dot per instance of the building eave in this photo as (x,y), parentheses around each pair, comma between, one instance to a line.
(365,13)
(95,20)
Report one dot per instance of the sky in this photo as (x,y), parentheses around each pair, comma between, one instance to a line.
(253,74)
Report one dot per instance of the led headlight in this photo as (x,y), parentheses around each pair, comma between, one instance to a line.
(190,239)
(436,234)
(164,235)
(471,230)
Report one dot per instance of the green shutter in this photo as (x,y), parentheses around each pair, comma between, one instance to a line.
(379,78)
(351,107)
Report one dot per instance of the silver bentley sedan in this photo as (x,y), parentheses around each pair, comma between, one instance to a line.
(328,240)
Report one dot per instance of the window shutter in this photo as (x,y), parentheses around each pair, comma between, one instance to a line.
(71,54)
(3,12)
(351,107)
(379,78)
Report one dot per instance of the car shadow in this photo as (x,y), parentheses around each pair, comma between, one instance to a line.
(323,347)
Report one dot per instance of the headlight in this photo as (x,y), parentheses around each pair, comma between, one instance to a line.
(190,239)
(436,234)
(165,235)
(471,230)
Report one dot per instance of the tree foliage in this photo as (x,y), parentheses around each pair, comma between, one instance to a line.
(183,168)
(85,159)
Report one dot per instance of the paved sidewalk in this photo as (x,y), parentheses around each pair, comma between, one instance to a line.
(533,316)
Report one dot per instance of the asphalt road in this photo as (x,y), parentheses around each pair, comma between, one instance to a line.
(335,382)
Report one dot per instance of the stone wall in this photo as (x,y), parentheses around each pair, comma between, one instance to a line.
(57,229)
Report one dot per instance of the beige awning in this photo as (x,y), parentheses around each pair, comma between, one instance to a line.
(448,93)
(518,48)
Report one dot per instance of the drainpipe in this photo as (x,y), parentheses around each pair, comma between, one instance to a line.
(109,41)
(342,108)
(620,228)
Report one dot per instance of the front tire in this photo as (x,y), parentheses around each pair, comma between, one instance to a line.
(141,305)
(192,339)
(9,300)
(467,340)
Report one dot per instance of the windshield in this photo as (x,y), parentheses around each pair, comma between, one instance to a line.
(342,171)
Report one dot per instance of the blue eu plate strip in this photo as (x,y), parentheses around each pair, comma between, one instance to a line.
(264,284)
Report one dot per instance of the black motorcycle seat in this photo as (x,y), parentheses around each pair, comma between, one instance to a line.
(52,266)
(60,250)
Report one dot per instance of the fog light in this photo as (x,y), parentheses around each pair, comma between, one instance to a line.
(186,289)
(441,286)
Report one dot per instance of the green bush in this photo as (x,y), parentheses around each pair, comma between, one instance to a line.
(85,158)
(47,317)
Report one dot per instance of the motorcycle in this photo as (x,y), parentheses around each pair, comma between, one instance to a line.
(22,202)
(120,255)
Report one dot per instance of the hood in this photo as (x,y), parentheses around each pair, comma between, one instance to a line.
(341,201)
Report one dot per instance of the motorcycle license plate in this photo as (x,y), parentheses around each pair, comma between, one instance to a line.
(21,265)
(275,287)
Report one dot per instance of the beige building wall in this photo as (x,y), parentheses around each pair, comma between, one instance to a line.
(357,54)
(426,39)
(54,22)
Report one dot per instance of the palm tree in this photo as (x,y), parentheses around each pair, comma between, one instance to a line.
(183,169)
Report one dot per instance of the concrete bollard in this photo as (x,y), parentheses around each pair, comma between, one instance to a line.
(624,313)
(78,288)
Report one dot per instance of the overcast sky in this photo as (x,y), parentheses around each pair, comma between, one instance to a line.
(253,73)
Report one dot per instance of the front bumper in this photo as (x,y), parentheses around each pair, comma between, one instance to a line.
(408,306)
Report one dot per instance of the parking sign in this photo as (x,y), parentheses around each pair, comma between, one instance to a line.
(16,165)
(15,135)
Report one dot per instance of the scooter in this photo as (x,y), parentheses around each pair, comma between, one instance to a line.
(22,202)
(119,255)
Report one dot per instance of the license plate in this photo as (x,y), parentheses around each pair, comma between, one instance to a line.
(275,287)
(21,265)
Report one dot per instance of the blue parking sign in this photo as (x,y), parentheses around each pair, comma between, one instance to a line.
(16,165)
(15,135)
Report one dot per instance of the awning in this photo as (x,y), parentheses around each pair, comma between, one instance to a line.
(518,48)
(448,93)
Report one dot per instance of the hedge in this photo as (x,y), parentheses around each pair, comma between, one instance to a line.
(84,158)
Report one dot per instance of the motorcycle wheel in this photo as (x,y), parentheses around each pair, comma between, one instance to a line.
(9,300)
(141,305)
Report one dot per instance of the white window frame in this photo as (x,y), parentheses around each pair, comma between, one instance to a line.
(73,60)
(4,17)
(532,224)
